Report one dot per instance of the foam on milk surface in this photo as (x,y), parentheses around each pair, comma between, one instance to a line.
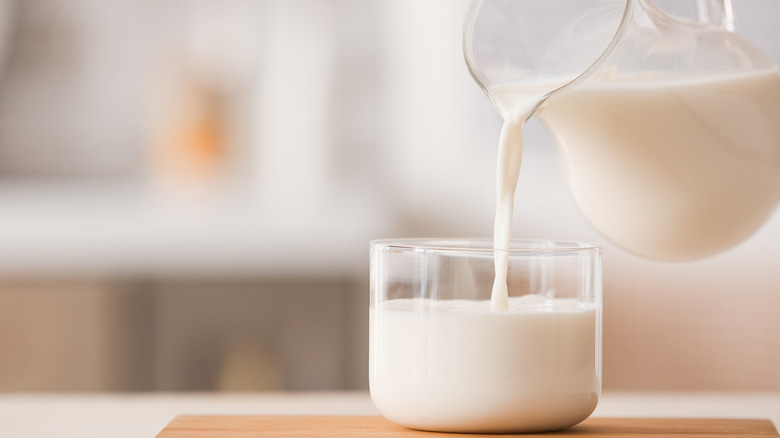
(458,365)
(525,303)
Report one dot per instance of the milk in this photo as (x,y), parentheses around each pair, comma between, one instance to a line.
(459,366)
(516,107)
(671,170)
(510,157)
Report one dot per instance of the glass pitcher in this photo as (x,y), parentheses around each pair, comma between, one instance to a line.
(668,130)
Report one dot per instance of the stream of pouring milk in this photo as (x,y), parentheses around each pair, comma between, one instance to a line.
(516,107)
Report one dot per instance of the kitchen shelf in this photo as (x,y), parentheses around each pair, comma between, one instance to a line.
(131,229)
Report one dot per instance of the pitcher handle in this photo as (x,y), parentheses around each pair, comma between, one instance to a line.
(719,13)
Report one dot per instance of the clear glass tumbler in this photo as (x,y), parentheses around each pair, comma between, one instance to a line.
(442,360)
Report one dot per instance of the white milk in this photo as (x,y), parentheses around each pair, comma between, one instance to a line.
(458,366)
(516,107)
(672,170)
(510,156)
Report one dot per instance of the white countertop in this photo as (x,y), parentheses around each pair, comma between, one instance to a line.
(144,415)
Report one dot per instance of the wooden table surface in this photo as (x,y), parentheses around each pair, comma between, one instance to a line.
(199,426)
(117,415)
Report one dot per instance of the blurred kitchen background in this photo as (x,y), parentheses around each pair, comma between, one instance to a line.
(188,188)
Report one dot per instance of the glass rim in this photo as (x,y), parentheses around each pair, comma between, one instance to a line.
(485,245)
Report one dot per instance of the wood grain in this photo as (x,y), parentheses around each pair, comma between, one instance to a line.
(199,426)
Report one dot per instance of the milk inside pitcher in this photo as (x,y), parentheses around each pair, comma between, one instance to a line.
(670,139)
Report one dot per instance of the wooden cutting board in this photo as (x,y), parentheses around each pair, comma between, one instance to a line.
(199,426)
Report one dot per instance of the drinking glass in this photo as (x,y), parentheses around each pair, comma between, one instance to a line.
(442,360)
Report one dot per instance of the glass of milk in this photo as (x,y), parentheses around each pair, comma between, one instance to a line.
(442,359)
